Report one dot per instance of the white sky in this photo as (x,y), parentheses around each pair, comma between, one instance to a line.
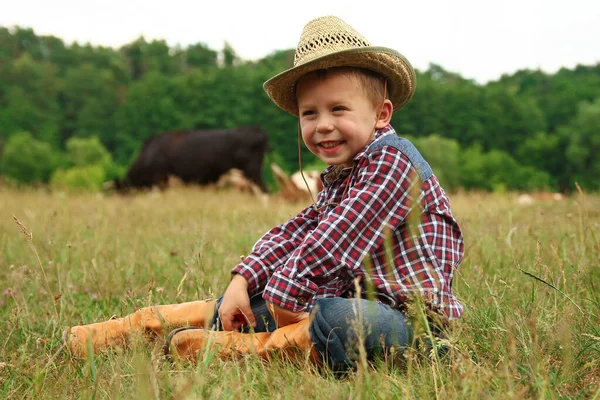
(480,39)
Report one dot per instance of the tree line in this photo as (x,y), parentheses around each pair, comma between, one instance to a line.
(77,115)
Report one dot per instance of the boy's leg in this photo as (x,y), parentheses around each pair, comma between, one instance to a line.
(145,320)
(288,341)
(332,335)
(264,341)
(340,324)
(201,314)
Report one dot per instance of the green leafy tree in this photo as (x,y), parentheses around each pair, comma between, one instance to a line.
(150,108)
(158,58)
(230,57)
(281,127)
(461,113)
(583,149)
(559,94)
(102,58)
(57,91)
(27,42)
(423,113)
(30,103)
(86,151)
(508,119)
(90,177)
(200,56)
(89,165)
(28,160)
(443,155)
(133,53)
(498,171)
(8,52)
(142,57)
(545,152)
(54,51)
(90,101)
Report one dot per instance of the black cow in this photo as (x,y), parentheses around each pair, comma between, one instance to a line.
(198,157)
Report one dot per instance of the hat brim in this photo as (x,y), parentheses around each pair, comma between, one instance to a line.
(389,63)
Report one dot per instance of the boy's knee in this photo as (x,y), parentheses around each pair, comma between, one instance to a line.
(329,332)
(339,326)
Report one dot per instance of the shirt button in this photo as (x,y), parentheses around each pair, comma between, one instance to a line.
(302,300)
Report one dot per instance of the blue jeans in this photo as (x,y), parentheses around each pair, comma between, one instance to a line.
(337,325)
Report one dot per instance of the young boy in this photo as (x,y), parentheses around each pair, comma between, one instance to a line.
(342,273)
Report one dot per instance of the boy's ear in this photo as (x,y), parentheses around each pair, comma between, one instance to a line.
(386,111)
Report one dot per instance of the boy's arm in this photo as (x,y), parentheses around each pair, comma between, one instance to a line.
(383,195)
(235,310)
(274,248)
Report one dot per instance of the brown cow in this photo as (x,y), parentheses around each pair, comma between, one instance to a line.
(198,157)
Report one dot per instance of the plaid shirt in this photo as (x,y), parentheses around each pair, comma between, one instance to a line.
(365,210)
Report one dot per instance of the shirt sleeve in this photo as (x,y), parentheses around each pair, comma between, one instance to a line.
(274,248)
(382,195)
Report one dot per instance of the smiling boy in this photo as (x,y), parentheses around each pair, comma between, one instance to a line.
(344,92)
(306,283)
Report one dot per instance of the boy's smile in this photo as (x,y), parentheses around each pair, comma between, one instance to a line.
(337,118)
(330,147)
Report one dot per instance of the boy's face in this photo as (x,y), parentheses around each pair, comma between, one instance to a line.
(337,119)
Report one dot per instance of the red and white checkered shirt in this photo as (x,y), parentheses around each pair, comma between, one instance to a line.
(363,211)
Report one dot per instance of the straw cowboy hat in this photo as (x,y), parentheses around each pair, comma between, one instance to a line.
(328,42)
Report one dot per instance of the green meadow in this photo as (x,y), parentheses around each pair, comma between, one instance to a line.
(530,282)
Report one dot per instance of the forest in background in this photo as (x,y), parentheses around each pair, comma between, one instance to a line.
(77,115)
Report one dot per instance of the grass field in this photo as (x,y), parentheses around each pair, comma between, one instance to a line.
(530,281)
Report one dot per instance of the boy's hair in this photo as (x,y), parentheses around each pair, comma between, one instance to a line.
(371,82)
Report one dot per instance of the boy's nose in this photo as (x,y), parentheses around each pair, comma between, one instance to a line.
(324,124)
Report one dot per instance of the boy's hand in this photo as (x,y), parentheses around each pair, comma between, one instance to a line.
(235,310)
(285,317)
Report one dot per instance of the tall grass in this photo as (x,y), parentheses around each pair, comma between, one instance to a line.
(530,282)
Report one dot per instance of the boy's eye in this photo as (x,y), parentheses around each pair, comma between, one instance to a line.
(339,108)
(306,113)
